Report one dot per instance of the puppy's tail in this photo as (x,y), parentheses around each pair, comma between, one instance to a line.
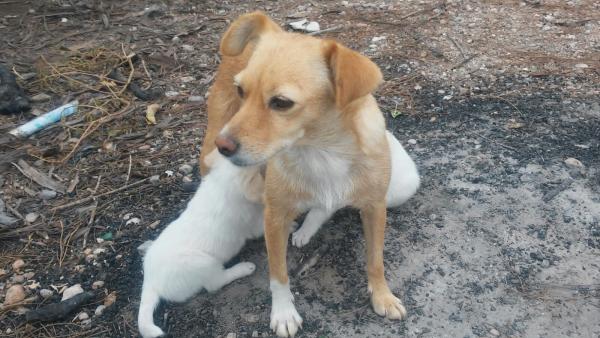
(150,300)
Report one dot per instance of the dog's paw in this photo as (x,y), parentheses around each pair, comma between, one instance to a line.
(285,320)
(387,305)
(246,268)
(301,237)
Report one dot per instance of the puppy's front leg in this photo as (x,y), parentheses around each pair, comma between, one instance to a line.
(383,301)
(285,320)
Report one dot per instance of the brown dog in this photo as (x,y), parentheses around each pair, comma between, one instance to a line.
(303,106)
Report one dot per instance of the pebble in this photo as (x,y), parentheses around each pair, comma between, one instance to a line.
(98,251)
(187,48)
(196,98)
(99,310)
(41,97)
(29,275)
(187,179)
(47,194)
(18,279)
(31,217)
(378,38)
(154,224)
(110,299)
(72,292)
(97,284)
(18,264)
(186,169)
(187,79)
(83,316)
(14,294)
(254,333)
(494,332)
(169,173)
(581,65)
(134,221)
(2,272)
(45,293)
(176,39)
(573,163)
(171,93)
(412,141)
(231,335)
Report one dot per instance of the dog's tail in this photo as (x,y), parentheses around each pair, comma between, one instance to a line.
(149,302)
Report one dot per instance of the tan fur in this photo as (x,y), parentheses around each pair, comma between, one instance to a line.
(334,117)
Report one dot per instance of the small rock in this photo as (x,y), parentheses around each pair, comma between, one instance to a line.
(110,299)
(98,251)
(134,221)
(573,163)
(155,179)
(231,335)
(581,65)
(97,284)
(45,293)
(14,294)
(18,264)
(99,310)
(64,20)
(176,39)
(171,93)
(412,141)
(2,272)
(494,332)
(47,194)
(169,173)
(142,248)
(87,251)
(187,79)
(17,279)
(83,316)
(433,217)
(196,98)
(187,179)
(29,275)
(187,48)
(254,333)
(378,38)
(41,97)
(186,169)
(154,224)
(72,292)
(31,217)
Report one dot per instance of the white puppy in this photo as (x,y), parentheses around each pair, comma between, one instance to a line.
(404,182)
(189,254)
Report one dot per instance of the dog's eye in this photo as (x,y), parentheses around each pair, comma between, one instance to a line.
(240,91)
(280,103)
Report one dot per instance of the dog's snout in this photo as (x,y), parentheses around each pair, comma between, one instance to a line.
(226,145)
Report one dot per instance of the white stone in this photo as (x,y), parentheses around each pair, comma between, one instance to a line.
(97,284)
(99,310)
(573,163)
(412,141)
(134,221)
(32,217)
(72,292)
(45,293)
(187,48)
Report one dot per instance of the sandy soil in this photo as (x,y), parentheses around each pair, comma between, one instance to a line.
(490,98)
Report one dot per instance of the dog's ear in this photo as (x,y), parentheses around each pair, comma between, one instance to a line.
(353,75)
(245,29)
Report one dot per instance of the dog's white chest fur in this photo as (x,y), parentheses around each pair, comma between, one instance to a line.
(323,174)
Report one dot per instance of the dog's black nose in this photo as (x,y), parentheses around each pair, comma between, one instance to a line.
(227,146)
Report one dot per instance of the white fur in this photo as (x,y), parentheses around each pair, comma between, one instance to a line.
(284,317)
(188,255)
(404,183)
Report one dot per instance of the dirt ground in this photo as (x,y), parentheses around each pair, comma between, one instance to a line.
(498,102)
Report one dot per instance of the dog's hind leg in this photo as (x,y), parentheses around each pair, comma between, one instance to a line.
(312,223)
(221,278)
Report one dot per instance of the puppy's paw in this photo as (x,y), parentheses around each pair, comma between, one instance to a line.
(387,305)
(301,237)
(245,268)
(285,320)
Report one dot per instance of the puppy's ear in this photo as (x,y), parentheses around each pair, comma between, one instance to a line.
(353,75)
(244,30)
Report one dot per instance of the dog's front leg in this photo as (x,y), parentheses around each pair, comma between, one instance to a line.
(384,302)
(285,320)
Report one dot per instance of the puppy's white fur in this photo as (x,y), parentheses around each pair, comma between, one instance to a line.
(188,255)
(404,183)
